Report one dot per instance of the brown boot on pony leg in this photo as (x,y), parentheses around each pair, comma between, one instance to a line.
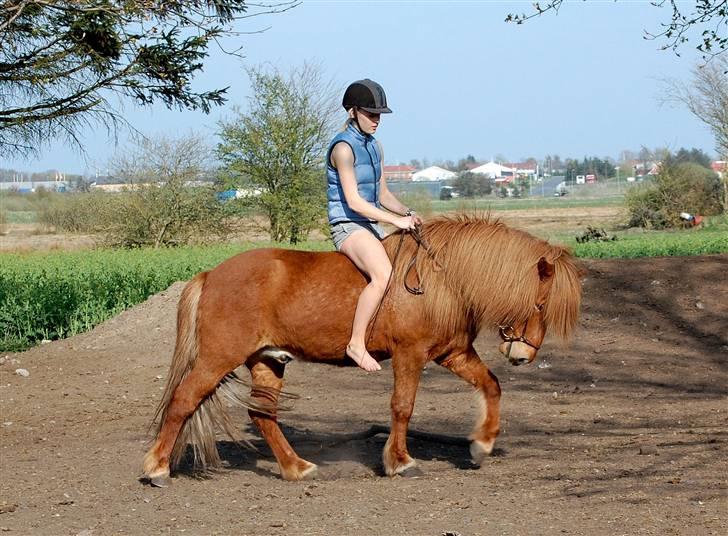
(262,307)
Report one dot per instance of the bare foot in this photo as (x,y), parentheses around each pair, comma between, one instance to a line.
(362,358)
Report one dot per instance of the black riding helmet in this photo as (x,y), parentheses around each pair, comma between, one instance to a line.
(367,95)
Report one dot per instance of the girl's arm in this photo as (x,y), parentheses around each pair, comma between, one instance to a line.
(388,200)
(343,159)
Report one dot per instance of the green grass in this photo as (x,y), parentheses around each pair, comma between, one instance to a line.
(22,216)
(452,205)
(655,244)
(56,295)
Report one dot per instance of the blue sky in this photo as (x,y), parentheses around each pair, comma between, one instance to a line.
(583,82)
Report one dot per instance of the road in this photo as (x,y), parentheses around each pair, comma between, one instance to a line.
(547,187)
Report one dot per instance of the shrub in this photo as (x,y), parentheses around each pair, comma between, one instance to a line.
(163,215)
(76,213)
(685,187)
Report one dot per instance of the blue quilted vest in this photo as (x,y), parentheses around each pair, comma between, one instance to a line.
(368,171)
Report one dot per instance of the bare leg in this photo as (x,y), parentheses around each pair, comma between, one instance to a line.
(269,374)
(407,371)
(470,368)
(367,253)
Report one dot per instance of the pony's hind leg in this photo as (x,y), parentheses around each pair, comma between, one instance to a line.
(267,375)
(469,367)
(202,380)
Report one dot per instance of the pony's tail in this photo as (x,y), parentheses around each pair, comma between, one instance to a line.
(199,428)
(562,307)
(185,355)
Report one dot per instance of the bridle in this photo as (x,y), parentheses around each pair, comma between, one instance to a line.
(508,334)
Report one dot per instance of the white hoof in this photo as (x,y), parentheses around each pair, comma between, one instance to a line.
(311,473)
(480,450)
(398,470)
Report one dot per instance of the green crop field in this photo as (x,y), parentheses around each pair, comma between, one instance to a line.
(656,244)
(46,296)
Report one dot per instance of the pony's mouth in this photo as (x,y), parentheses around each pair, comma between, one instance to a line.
(516,353)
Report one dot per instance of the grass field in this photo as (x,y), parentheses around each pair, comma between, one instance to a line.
(53,295)
(485,204)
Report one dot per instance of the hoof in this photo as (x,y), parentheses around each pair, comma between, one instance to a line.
(161,481)
(411,472)
(480,450)
(409,469)
(311,473)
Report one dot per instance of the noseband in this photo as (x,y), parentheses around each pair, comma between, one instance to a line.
(508,334)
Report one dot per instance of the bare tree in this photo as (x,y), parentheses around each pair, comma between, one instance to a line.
(706,96)
(709,18)
(170,199)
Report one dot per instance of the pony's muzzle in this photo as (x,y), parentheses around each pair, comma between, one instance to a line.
(517,353)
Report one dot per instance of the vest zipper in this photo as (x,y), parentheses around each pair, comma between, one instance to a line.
(374,169)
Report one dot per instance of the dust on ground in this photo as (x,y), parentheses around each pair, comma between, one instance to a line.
(624,432)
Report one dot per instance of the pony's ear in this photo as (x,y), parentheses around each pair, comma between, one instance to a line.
(545,269)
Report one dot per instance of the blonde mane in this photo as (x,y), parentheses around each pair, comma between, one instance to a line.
(484,273)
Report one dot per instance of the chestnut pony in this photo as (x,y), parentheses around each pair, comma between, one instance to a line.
(265,306)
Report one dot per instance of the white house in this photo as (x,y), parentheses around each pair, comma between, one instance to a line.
(433,173)
(495,171)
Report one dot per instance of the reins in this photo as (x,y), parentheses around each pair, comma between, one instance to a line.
(417,290)
(421,243)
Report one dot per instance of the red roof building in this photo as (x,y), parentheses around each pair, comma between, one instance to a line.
(523,169)
(720,167)
(399,173)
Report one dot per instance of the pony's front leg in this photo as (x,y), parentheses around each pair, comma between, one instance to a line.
(407,371)
(267,383)
(469,367)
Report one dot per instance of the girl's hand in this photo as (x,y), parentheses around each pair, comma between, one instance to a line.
(416,217)
(405,222)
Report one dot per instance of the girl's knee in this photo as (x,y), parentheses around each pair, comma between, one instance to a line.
(381,279)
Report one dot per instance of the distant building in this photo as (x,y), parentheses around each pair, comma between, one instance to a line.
(495,171)
(399,173)
(433,173)
(720,167)
(107,183)
(523,169)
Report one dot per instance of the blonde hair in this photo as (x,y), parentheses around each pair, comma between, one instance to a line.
(349,120)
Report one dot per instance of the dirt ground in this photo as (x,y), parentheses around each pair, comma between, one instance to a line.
(624,432)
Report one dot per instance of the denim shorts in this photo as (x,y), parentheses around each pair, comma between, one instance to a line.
(344,229)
